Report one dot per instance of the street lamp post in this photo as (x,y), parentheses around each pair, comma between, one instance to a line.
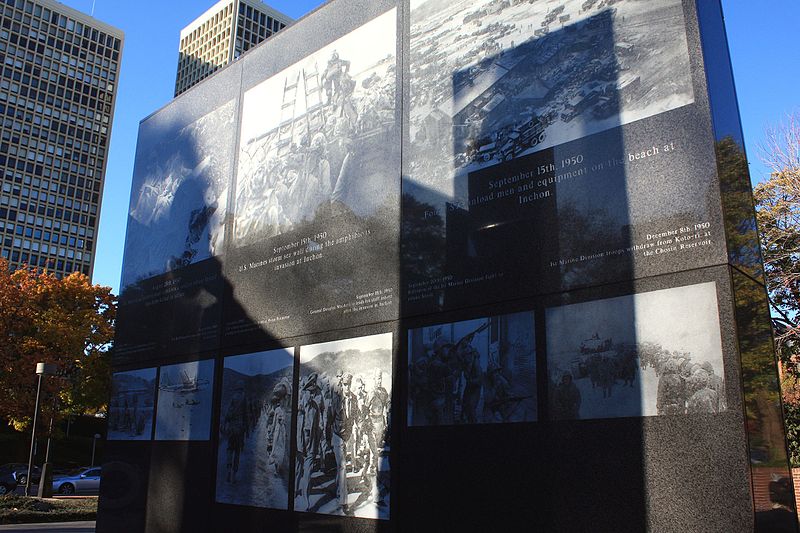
(94,443)
(42,369)
(45,481)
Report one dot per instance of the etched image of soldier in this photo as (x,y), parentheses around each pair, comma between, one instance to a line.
(648,354)
(278,429)
(309,438)
(253,464)
(471,372)
(233,427)
(343,422)
(313,131)
(566,399)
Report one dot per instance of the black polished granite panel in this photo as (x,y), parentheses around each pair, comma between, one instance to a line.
(315,202)
(634,457)
(734,176)
(575,149)
(172,285)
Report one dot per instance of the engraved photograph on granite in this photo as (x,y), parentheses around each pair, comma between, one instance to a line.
(253,464)
(130,408)
(647,354)
(480,371)
(535,131)
(180,195)
(184,401)
(491,81)
(318,186)
(171,276)
(343,424)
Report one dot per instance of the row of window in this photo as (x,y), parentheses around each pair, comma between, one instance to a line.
(35,192)
(45,247)
(62,92)
(19,258)
(63,27)
(88,63)
(219,17)
(26,7)
(100,67)
(64,175)
(32,155)
(65,215)
(272,26)
(212,59)
(81,137)
(12,32)
(55,126)
(47,224)
(51,199)
(258,17)
(59,73)
(58,165)
(71,89)
(211,27)
(211,50)
(83,117)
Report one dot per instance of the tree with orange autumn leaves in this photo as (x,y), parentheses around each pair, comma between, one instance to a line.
(68,322)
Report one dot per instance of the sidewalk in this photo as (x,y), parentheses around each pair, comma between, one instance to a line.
(54,527)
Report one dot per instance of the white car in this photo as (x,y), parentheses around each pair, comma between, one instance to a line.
(86,480)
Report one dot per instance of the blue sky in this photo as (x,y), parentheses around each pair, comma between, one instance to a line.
(761,36)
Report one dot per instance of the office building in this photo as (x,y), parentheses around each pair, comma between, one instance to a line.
(58,85)
(220,35)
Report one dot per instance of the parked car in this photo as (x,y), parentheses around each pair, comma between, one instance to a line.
(20,472)
(84,480)
(7,483)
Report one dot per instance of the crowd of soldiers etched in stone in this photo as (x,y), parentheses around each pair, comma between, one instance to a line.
(451,382)
(684,386)
(342,433)
(129,418)
(130,410)
(310,159)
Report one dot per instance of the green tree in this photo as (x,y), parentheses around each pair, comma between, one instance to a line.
(778,215)
(67,322)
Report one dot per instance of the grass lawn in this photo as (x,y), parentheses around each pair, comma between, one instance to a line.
(16,509)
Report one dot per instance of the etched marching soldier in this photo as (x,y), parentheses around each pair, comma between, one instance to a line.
(498,392)
(566,399)
(278,434)
(345,408)
(717,384)
(378,409)
(473,383)
(671,393)
(607,377)
(233,429)
(309,434)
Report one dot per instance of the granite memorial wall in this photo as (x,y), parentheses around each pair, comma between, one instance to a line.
(428,265)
